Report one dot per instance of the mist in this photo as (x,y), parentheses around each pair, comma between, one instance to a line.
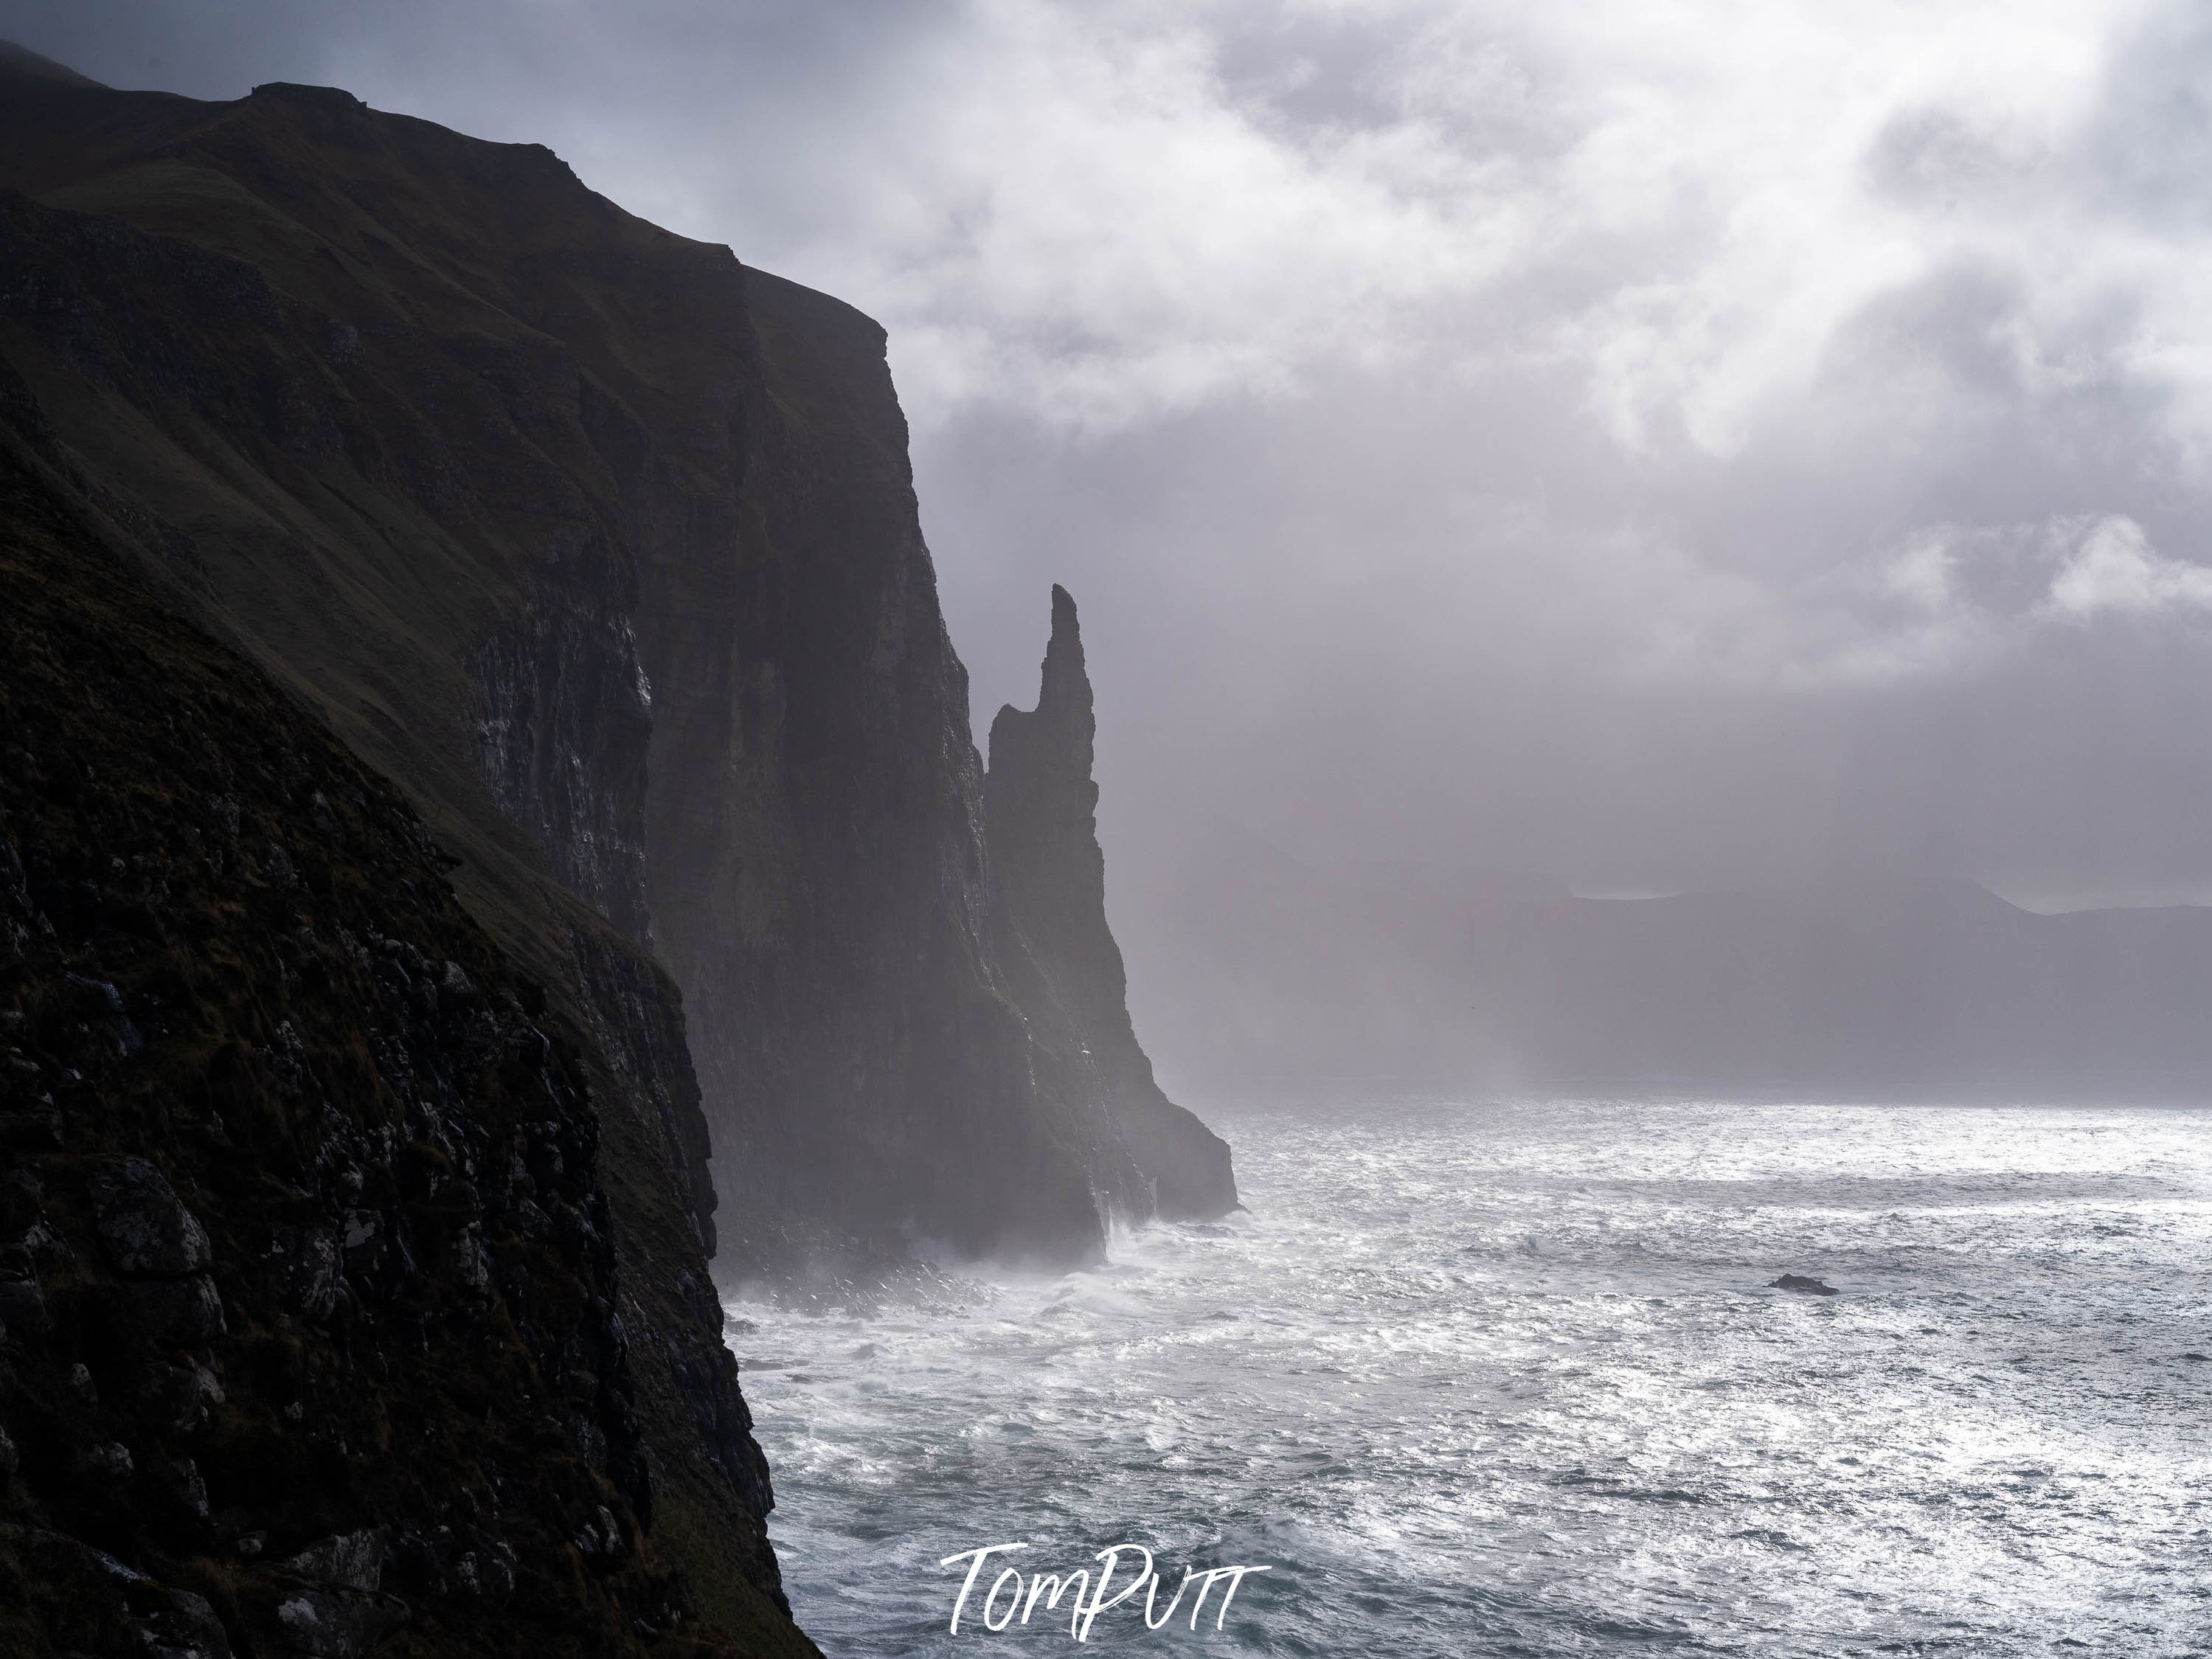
(1658,449)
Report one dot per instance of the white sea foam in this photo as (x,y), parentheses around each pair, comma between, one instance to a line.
(1507,1379)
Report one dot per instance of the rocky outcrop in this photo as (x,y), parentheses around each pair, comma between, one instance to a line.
(316,1328)
(606,549)
(816,868)
(278,349)
(1040,806)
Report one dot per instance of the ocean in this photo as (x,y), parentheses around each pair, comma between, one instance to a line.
(1509,1377)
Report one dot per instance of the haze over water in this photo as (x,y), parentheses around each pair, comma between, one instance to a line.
(1507,1378)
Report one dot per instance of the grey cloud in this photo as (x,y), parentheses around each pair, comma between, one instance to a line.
(1472,432)
(2146,154)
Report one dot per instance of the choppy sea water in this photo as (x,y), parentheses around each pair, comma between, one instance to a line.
(1505,1378)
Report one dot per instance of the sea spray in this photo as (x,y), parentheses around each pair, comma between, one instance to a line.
(1481,1378)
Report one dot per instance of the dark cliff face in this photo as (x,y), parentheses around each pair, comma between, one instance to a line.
(315,1332)
(817,870)
(282,351)
(606,549)
(1040,815)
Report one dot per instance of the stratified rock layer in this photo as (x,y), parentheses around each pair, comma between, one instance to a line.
(1041,825)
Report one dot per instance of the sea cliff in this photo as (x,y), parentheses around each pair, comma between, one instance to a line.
(1039,814)
(594,556)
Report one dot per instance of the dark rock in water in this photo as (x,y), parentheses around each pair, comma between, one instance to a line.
(1800,1283)
(1059,954)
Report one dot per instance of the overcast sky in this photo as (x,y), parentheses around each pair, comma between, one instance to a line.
(1663,443)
